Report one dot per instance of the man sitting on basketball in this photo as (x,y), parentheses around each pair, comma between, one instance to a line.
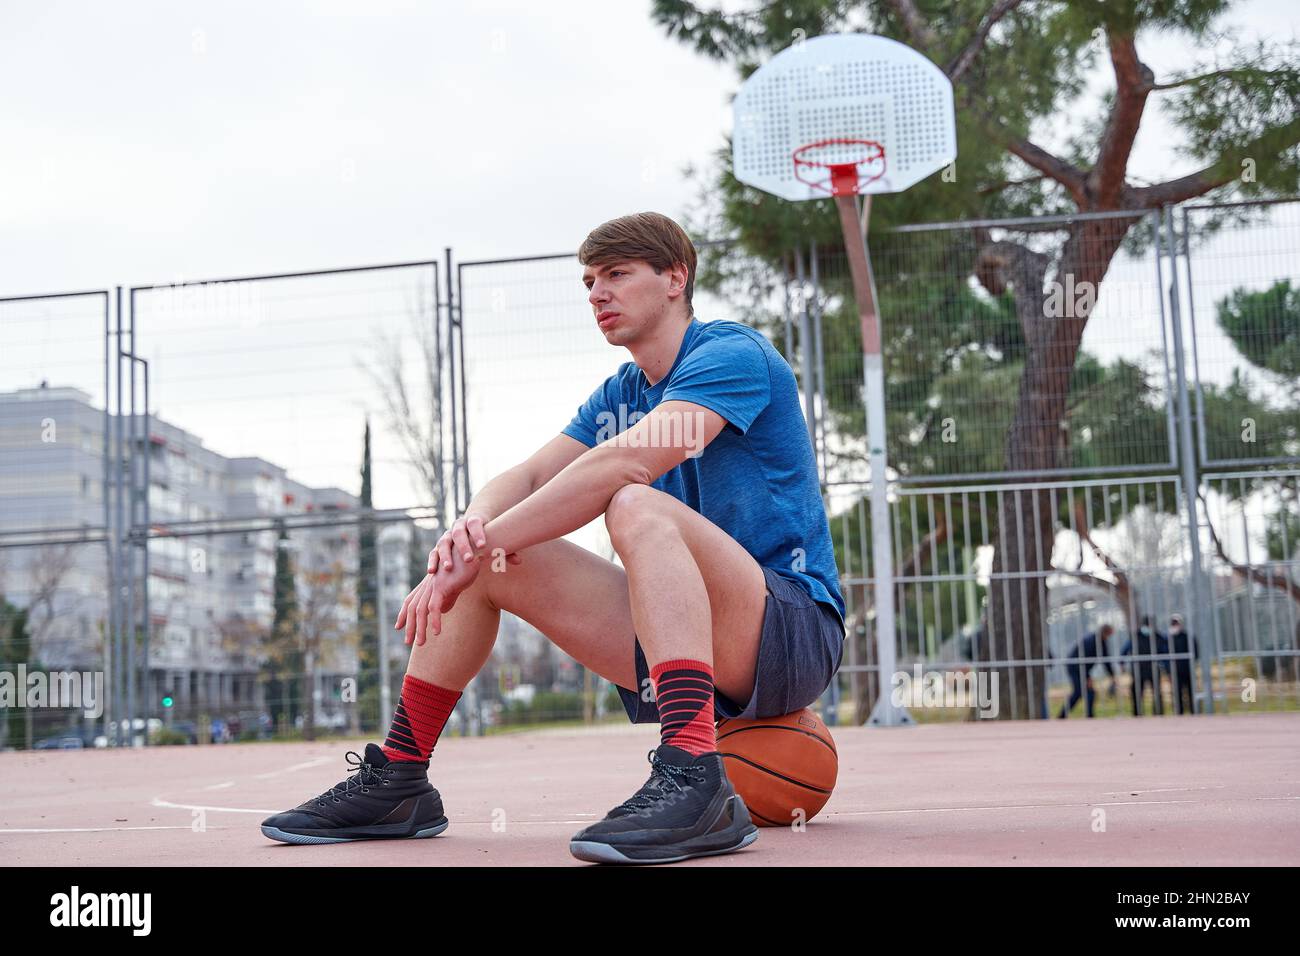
(727,602)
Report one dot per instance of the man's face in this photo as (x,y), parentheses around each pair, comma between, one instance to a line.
(628,299)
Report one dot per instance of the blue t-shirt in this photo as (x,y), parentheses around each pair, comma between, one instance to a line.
(757,480)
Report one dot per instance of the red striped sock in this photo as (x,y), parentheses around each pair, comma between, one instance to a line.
(684,696)
(422,712)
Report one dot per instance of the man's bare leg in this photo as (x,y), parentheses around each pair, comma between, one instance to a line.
(697,600)
(576,598)
(584,605)
(695,592)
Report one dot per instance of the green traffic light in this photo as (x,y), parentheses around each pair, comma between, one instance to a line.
(167,701)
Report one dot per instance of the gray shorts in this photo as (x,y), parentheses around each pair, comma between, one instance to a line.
(798,654)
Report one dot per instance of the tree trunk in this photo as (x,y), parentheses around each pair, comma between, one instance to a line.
(1053,320)
(1018,603)
(869,687)
(868,682)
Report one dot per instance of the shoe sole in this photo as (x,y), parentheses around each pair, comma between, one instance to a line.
(595,851)
(605,853)
(314,837)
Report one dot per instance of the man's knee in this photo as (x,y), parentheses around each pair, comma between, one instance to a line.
(632,509)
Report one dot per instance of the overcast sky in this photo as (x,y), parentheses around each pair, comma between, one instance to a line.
(207,139)
(146,142)
(147,139)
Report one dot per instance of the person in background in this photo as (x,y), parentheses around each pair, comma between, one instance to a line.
(1179,642)
(1090,645)
(1148,642)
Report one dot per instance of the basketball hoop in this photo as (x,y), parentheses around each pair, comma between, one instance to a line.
(845,178)
(836,104)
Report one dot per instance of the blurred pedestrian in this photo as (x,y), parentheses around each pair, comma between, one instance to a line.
(1180,642)
(1090,645)
(1149,642)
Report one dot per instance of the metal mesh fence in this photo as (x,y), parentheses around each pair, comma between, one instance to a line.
(53,598)
(1116,556)
(53,619)
(1252,540)
(262,393)
(1017,530)
(288,369)
(53,375)
(991,334)
(1243,295)
(532,355)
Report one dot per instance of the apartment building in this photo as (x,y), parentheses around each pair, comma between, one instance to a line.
(211,595)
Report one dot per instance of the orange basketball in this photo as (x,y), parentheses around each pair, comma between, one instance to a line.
(780,765)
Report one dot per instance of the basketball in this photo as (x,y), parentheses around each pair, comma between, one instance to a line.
(780,765)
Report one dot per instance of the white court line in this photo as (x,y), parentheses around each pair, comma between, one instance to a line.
(167,804)
(159,802)
(306,765)
(298,766)
(1134,793)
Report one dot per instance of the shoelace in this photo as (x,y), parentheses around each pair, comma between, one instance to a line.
(366,774)
(663,779)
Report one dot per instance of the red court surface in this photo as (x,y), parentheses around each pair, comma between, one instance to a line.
(1186,791)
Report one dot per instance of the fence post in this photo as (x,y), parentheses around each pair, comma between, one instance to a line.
(820,392)
(806,350)
(455,433)
(1198,623)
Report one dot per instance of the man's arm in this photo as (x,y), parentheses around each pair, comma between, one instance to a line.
(581,491)
(504,492)
(576,495)
(515,484)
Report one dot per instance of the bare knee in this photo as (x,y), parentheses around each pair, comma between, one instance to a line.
(633,511)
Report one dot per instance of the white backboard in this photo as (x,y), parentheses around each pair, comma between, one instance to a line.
(843,85)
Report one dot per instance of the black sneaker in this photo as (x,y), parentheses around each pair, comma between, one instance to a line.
(383,800)
(687,808)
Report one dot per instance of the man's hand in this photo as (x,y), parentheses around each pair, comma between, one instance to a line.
(463,539)
(433,597)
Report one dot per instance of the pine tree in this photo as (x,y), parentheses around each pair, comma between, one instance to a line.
(367,592)
(284,657)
